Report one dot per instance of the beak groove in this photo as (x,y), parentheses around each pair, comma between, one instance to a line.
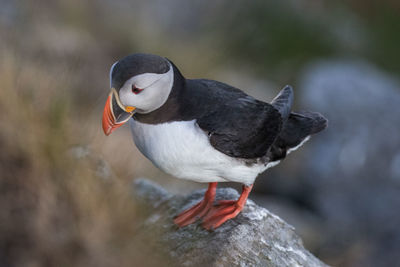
(108,117)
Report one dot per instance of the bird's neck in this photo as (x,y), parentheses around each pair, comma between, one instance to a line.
(171,109)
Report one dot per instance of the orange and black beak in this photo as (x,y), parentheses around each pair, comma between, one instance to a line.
(115,114)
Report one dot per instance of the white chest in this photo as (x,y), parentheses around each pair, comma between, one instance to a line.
(182,149)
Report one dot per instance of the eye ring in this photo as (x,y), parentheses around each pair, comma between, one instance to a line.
(136,90)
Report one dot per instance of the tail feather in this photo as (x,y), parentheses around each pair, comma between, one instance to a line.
(296,130)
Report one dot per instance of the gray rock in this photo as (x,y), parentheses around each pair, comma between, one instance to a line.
(358,156)
(353,168)
(362,104)
(255,238)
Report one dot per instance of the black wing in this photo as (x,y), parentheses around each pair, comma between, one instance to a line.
(283,102)
(241,126)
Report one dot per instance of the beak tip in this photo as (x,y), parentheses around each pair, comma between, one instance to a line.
(107,129)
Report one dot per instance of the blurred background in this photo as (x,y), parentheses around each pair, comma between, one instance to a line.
(65,189)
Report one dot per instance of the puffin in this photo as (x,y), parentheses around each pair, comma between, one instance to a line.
(203,130)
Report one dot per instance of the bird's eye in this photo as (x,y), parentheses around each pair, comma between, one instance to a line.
(136,90)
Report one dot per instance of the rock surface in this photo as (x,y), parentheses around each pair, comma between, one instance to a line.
(255,238)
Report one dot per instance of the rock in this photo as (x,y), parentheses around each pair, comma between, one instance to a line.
(255,238)
(362,104)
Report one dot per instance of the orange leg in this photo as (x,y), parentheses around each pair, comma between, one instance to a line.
(225,210)
(198,211)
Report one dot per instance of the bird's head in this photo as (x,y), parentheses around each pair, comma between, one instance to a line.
(139,83)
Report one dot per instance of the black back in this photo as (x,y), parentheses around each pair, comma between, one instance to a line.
(236,123)
(240,126)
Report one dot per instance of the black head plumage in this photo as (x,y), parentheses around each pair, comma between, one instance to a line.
(136,64)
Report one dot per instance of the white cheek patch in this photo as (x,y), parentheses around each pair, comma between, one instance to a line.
(156,89)
(145,80)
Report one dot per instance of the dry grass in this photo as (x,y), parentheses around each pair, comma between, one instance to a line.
(59,206)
